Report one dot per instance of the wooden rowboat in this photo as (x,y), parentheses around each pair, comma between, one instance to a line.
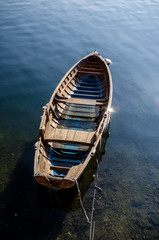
(73,122)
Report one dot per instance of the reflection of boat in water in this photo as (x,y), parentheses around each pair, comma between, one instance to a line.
(73,122)
(68,199)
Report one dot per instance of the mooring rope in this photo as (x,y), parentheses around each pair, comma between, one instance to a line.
(81,202)
(91,220)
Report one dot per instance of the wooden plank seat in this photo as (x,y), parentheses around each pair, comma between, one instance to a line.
(90,73)
(73,147)
(57,161)
(92,81)
(75,117)
(80,101)
(59,168)
(85,96)
(80,108)
(89,88)
(87,83)
(75,125)
(74,122)
(88,92)
(67,153)
(92,69)
(79,114)
(93,66)
(95,110)
(94,62)
(67,135)
(66,150)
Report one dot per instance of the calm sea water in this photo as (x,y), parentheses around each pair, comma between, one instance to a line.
(39,42)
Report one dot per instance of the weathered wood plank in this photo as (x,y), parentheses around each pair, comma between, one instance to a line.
(79,108)
(78,113)
(90,73)
(93,66)
(68,135)
(65,146)
(59,168)
(92,69)
(80,101)
(94,62)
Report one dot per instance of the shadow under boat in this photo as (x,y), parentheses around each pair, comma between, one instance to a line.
(67,199)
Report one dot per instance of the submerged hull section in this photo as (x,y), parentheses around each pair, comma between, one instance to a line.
(73,122)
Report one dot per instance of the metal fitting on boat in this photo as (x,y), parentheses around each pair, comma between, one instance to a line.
(93,152)
(108,61)
(35,145)
(101,129)
(44,107)
(105,114)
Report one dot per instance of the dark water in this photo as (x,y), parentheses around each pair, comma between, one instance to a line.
(39,42)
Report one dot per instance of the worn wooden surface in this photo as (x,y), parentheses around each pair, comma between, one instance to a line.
(67,135)
(79,101)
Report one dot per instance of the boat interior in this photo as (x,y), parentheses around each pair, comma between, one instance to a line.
(74,115)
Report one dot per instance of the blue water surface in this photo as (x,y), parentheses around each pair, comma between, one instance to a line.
(39,42)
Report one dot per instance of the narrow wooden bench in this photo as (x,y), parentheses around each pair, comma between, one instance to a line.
(67,135)
(90,73)
(79,108)
(59,115)
(74,147)
(59,168)
(80,101)
(97,66)
(92,69)
(79,114)
(93,62)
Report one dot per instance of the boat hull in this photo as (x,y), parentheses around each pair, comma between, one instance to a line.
(73,122)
